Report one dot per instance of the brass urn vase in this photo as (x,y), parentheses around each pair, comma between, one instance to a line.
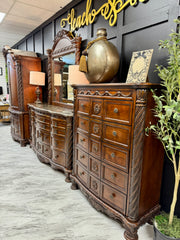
(102,59)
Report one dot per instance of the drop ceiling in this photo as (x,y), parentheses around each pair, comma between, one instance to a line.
(23,16)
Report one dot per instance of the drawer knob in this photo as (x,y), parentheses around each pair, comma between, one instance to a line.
(82,156)
(114,133)
(97,108)
(113,176)
(96,129)
(115,110)
(82,105)
(82,123)
(81,173)
(56,156)
(94,185)
(82,140)
(113,195)
(112,155)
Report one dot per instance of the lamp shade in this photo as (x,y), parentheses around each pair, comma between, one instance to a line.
(76,77)
(57,79)
(37,78)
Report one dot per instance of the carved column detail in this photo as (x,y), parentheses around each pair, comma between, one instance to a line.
(137,155)
(49,51)
(19,84)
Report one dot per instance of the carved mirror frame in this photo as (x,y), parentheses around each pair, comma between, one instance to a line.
(64,43)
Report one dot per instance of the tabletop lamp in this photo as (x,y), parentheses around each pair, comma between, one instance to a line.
(77,77)
(57,82)
(37,78)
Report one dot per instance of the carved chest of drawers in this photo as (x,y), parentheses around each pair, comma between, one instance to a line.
(51,135)
(115,165)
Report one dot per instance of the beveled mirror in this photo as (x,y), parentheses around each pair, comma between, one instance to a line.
(65,52)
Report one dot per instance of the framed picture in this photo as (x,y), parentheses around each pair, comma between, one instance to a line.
(139,66)
(1,71)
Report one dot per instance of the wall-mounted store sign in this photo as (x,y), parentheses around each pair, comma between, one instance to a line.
(108,10)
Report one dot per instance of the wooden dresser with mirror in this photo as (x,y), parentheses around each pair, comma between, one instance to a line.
(52,123)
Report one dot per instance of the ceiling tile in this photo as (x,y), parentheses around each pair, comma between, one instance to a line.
(5,6)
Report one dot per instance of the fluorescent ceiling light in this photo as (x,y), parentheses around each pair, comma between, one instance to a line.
(2,15)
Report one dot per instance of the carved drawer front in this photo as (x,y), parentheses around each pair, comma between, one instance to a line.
(111,175)
(46,150)
(83,124)
(95,129)
(83,105)
(59,157)
(59,131)
(115,156)
(117,134)
(82,141)
(82,174)
(113,197)
(82,157)
(95,148)
(94,185)
(43,136)
(44,126)
(43,118)
(118,111)
(97,108)
(94,166)
(58,143)
(58,122)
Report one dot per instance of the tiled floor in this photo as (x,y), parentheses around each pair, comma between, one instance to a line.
(37,204)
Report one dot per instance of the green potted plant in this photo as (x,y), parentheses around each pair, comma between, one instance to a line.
(167,128)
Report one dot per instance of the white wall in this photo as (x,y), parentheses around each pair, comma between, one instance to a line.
(3,77)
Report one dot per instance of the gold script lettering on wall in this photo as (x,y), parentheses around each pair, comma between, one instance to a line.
(108,10)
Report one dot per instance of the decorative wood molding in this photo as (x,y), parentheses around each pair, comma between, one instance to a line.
(19,85)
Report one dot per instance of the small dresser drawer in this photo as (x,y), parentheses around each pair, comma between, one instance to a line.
(94,166)
(44,126)
(59,143)
(115,156)
(94,185)
(59,131)
(43,118)
(83,124)
(46,150)
(95,129)
(117,134)
(83,106)
(81,174)
(97,108)
(43,136)
(82,157)
(95,148)
(82,141)
(113,176)
(118,111)
(58,123)
(113,197)
(59,157)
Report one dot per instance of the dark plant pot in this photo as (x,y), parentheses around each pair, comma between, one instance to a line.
(159,236)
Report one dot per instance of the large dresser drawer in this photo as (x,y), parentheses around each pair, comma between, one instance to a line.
(82,157)
(118,111)
(81,174)
(82,141)
(114,177)
(58,143)
(43,149)
(83,124)
(83,106)
(117,134)
(59,157)
(115,156)
(113,197)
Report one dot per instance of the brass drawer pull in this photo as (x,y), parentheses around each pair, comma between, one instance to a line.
(56,156)
(116,110)
(113,155)
(94,185)
(114,133)
(82,156)
(82,123)
(113,195)
(81,173)
(82,140)
(113,176)
(82,105)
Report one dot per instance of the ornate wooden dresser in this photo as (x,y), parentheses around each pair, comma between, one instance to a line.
(51,135)
(19,64)
(115,165)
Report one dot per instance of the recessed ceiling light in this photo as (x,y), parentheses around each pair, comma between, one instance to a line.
(2,15)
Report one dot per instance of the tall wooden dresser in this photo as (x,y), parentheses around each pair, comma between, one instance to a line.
(19,64)
(115,165)
(51,135)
